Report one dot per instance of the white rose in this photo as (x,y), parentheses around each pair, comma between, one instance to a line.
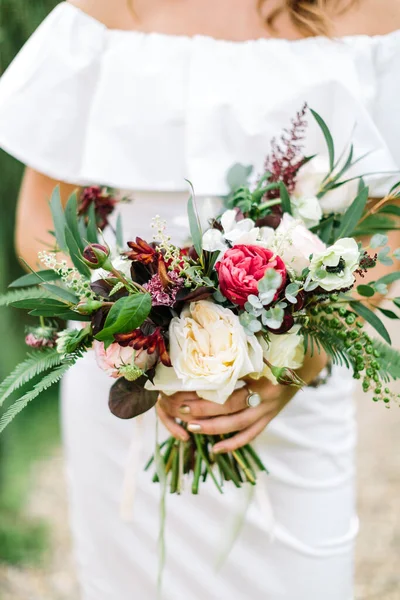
(286,350)
(333,269)
(210,353)
(308,209)
(234,233)
(294,243)
(309,181)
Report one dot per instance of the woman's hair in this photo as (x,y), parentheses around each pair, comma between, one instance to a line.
(310,17)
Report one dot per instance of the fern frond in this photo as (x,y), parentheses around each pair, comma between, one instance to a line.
(327,340)
(23,294)
(389,360)
(47,381)
(36,363)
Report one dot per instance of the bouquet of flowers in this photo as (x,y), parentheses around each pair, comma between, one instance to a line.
(277,275)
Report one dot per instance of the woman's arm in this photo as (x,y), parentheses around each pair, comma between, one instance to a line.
(34,221)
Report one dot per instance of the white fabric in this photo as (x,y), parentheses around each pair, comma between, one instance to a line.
(86,104)
(143,112)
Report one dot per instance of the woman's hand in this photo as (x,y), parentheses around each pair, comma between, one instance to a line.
(210,418)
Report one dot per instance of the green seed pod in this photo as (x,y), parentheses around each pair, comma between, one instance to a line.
(368,349)
(350,319)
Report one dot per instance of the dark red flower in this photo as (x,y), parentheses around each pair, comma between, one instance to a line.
(142,252)
(103,201)
(152,342)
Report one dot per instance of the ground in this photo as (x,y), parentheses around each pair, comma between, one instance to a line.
(377,574)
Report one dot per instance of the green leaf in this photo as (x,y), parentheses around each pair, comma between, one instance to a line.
(378,240)
(366,290)
(10,297)
(71,218)
(62,293)
(194,223)
(375,224)
(92,236)
(396,301)
(35,279)
(35,363)
(47,381)
(33,303)
(328,137)
(388,313)
(238,176)
(390,209)
(353,214)
(285,198)
(390,278)
(396,254)
(372,319)
(127,314)
(119,233)
(65,315)
(57,213)
(75,254)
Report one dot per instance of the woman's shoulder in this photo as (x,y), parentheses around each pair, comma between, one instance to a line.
(369,17)
(114,14)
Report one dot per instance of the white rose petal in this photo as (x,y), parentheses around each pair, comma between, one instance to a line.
(210,353)
(286,350)
(294,243)
(309,180)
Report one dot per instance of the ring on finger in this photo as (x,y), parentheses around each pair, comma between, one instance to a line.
(253,399)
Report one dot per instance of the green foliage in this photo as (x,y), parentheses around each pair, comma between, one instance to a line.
(195,227)
(21,295)
(371,318)
(317,337)
(47,381)
(389,359)
(125,315)
(36,363)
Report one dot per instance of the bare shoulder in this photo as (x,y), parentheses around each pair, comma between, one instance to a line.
(113,13)
(370,17)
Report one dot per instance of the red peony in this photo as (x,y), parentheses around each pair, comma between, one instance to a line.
(242,267)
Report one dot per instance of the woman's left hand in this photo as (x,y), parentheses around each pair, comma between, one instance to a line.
(235,415)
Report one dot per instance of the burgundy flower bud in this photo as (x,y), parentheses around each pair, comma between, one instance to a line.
(287,323)
(96,256)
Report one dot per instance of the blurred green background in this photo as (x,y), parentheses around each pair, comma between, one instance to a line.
(34,434)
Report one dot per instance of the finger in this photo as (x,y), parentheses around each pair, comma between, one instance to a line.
(243,437)
(203,409)
(228,423)
(173,427)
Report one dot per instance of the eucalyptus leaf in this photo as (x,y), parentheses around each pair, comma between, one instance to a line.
(389,278)
(119,232)
(388,313)
(62,293)
(238,176)
(378,240)
(32,303)
(366,290)
(291,292)
(75,254)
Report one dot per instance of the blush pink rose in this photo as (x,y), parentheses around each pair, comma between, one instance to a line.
(116,356)
(242,267)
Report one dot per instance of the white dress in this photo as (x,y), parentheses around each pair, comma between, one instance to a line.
(144,112)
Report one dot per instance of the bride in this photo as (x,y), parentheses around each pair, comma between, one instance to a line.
(141,96)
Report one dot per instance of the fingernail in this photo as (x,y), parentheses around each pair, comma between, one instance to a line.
(218,450)
(184,410)
(194,427)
